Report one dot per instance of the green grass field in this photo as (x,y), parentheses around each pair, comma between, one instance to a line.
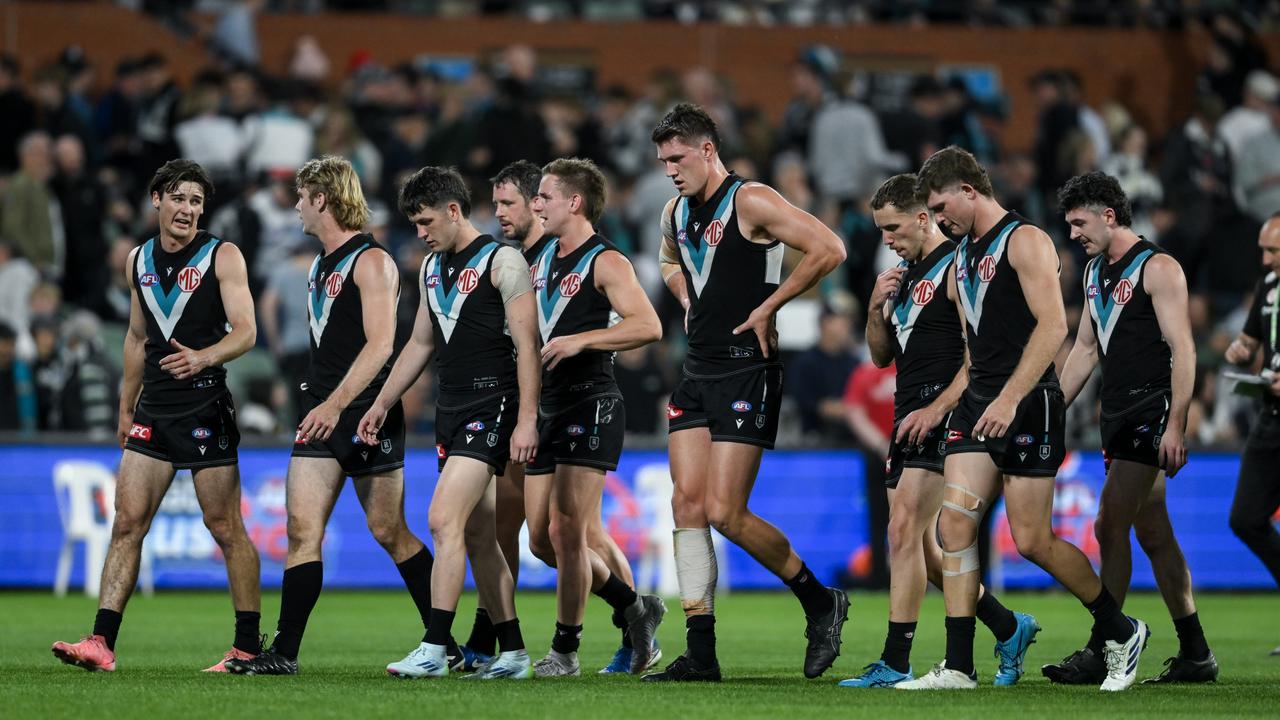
(167,639)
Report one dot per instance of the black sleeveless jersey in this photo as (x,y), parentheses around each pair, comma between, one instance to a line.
(181,300)
(532,254)
(568,304)
(337,320)
(474,351)
(1136,361)
(728,277)
(928,342)
(986,280)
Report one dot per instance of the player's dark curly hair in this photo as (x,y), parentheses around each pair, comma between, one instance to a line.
(687,122)
(523,175)
(175,172)
(1096,191)
(434,187)
(949,166)
(900,192)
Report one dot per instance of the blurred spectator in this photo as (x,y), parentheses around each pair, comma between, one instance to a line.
(116,300)
(210,138)
(309,62)
(1128,164)
(18,278)
(17,392)
(235,35)
(338,135)
(17,114)
(646,387)
(29,217)
(915,131)
(1058,119)
(55,113)
(89,396)
(83,201)
(868,400)
(49,372)
(1258,174)
(1089,119)
(1252,116)
(157,114)
(509,130)
(116,117)
(283,316)
(278,139)
(271,210)
(816,380)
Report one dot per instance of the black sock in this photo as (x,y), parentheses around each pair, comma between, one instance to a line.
(960,643)
(897,646)
(620,622)
(298,595)
(1191,642)
(998,618)
(482,640)
(1111,624)
(509,637)
(416,572)
(567,638)
(700,634)
(440,627)
(247,631)
(813,596)
(1095,640)
(618,594)
(107,624)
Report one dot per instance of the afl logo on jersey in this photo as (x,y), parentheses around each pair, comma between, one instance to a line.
(333,285)
(148,279)
(433,280)
(987,268)
(1092,292)
(189,279)
(923,292)
(570,285)
(682,236)
(468,281)
(714,233)
(1123,292)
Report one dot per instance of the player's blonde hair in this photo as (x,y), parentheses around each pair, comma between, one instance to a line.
(337,180)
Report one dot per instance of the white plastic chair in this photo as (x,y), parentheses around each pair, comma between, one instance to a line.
(77,485)
(655,570)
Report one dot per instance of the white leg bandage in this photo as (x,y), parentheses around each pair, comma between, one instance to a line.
(696,570)
(958,499)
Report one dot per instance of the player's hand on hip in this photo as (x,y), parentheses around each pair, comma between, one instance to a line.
(185,363)
(318,425)
(524,442)
(561,348)
(916,426)
(371,423)
(760,321)
(1173,452)
(995,420)
(886,287)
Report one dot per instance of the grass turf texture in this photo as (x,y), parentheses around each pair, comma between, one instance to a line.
(167,639)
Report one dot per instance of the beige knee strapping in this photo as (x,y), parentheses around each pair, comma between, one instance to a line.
(964,561)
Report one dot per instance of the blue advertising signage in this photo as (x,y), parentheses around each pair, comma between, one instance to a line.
(51,493)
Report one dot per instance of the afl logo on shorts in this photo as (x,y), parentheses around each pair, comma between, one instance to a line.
(741,406)
(476,426)
(189,279)
(433,280)
(1024,439)
(987,268)
(576,430)
(140,432)
(1123,292)
(201,433)
(923,292)
(468,281)
(570,285)
(333,285)
(714,233)
(148,279)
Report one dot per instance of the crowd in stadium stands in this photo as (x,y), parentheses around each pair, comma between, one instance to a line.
(87,139)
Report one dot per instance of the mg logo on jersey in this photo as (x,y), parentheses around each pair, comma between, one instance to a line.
(189,279)
(1123,292)
(714,233)
(140,432)
(570,285)
(468,281)
(923,292)
(333,285)
(148,279)
(987,268)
